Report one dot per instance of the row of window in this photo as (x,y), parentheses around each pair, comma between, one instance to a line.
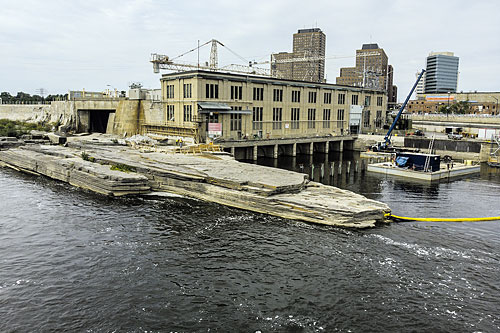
(236,119)
(188,113)
(212,92)
(187,90)
(294,118)
(258,112)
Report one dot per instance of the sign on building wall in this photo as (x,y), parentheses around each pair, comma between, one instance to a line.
(214,129)
(443,98)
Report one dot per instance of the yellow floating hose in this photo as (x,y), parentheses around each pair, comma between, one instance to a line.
(433,219)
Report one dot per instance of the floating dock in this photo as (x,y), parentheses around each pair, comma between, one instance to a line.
(458,170)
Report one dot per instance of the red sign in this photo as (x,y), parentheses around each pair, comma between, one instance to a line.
(215,129)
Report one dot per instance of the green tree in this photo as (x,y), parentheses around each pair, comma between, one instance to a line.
(462,107)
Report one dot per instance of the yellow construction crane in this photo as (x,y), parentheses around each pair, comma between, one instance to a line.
(161,61)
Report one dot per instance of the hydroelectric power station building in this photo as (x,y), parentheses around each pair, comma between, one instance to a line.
(207,105)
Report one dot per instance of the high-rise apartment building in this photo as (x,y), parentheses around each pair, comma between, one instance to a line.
(441,73)
(372,71)
(306,62)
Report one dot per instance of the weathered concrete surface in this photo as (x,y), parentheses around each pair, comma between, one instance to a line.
(215,178)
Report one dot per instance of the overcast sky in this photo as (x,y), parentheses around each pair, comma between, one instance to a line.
(62,45)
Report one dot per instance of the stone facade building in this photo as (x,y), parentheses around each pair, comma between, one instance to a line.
(307,43)
(372,71)
(207,105)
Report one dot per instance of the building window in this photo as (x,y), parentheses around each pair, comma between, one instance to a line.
(212,90)
(278,95)
(295,96)
(257,118)
(258,94)
(354,99)
(170,113)
(326,118)
(295,118)
(311,118)
(187,90)
(277,118)
(340,118)
(170,91)
(236,92)
(312,97)
(236,122)
(188,113)
(378,119)
(327,98)
(379,101)
(341,99)
(368,100)
(213,118)
(366,118)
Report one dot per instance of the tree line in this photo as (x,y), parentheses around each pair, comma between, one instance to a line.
(23,97)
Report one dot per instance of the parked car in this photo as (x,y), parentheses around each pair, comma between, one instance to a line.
(455,136)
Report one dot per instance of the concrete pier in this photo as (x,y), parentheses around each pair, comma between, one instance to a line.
(273,148)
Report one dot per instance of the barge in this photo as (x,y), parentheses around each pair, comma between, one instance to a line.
(427,167)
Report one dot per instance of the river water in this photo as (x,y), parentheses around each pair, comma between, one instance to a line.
(79,262)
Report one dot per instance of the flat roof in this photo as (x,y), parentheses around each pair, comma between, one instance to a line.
(257,78)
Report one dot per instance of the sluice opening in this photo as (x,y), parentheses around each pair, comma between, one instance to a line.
(98,120)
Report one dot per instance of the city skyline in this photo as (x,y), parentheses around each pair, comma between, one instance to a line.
(94,45)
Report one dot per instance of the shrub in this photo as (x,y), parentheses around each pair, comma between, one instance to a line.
(123,168)
(18,128)
(87,157)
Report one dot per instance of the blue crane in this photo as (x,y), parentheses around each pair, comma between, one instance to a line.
(387,139)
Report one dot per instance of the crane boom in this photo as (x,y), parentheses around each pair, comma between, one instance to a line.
(387,138)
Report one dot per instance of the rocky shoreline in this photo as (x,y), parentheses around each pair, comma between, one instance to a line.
(108,167)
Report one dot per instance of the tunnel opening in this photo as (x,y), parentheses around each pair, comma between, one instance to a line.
(98,120)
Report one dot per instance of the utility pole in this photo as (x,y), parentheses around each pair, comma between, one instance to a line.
(41,92)
(448,108)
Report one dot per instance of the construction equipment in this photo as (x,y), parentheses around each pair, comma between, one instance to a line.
(428,158)
(386,144)
(161,61)
(494,160)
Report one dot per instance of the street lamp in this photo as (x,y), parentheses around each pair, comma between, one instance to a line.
(448,108)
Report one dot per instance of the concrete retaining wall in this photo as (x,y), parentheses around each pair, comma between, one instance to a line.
(457,119)
(458,149)
(442,144)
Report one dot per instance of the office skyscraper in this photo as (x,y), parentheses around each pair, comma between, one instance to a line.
(441,73)
(306,62)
